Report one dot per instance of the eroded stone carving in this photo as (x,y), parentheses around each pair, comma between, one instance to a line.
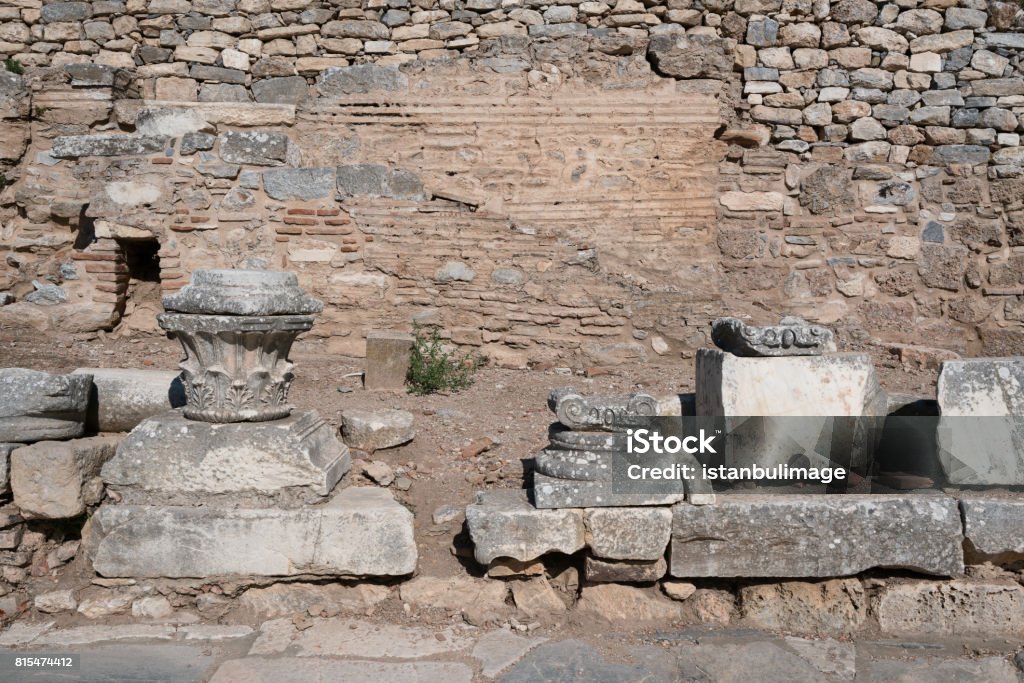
(237,327)
(611,413)
(791,337)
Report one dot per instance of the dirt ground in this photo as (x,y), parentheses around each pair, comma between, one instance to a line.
(508,407)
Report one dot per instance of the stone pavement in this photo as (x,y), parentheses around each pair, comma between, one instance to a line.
(353,650)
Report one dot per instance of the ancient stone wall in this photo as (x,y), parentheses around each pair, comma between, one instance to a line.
(545,181)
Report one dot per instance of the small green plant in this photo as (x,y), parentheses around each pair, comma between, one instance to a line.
(433,369)
(14,66)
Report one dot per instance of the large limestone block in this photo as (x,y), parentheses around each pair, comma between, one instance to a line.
(387,360)
(639,533)
(833,607)
(983,609)
(504,524)
(122,398)
(170,453)
(816,536)
(808,393)
(553,492)
(361,532)
(994,527)
(51,479)
(372,430)
(981,431)
(37,405)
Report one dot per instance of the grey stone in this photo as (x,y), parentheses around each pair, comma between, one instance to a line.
(998,87)
(195,142)
(360,532)
(372,430)
(791,337)
(387,360)
(981,431)
(122,398)
(961,154)
(266,669)
(766,536)
(94,75)
(56,601)
(376,180)
(555,492)
(598,570)
(36,405)
(45,294)
(763,32)
(351,28)
(299,183)
(75,146)
(48,478)
(218,169)
(502,523)
(962,17)
(689,56)
(346,637)
(217,74)
(628,533)
(65,11)
(1007,40)
(242,292)
(827,190)
(171,454)
(573,660)
(258,148)
(933,232)
(984,609)
(606,412)
(281,90)
(854,11)
(360,79)
(993,528)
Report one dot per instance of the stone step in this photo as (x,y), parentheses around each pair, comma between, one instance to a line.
(360,532)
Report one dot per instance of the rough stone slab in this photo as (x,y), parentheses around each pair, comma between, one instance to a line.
(498,650)
(35,406)
(815,388)
(994,527)
(75,146)
(49,478)
(504,524)
(631,604)
(816,536)
(360,79)
(833,607)
(258,148)
(274,670)
(551,492)
(171,453)
(454,593)
(361,532)
(287,599)
(980,609)
(981,431)
(299,183)
(358,637)
(246,114)
(372,430)
(628,533)
(597,570)
(387,360)
(122,398)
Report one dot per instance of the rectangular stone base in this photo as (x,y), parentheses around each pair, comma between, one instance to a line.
(549,492)
(170,453)
(360,532)
(808,535)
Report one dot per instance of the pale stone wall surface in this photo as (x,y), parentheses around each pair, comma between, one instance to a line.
(589,181)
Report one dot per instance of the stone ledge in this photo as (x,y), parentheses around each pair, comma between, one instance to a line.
(361,532)
(816,536)
(246,114)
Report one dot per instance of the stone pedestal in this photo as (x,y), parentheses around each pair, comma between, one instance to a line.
(236,484)
(387,360)
(981,428)
(811,395)
(359,532)
(172,454)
